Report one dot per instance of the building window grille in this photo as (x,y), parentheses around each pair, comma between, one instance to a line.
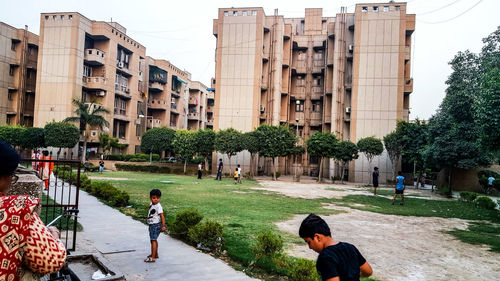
(386,8)
(235,13)
(244,13)
(364,9)
(299,107)
(375,9)
(254,13)
(226,13)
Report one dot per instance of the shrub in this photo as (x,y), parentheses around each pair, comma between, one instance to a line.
(108,192)
(485,202)
(207,235)
(115,157)
(84,182)
(121,199)
(467,196)
(278,174)
(185,220)
(303,270)
(268,244)
(335,178)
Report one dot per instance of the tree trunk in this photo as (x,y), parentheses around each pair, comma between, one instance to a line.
(274,168)
(206,164)
(185,164)
(342,172)
(251,164)
(369,171)
(320,173)
(449,182)
(231,172)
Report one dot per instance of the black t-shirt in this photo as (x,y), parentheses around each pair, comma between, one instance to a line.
(375,177)
(341,259)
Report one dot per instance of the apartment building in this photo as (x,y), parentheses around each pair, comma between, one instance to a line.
(210,105)
(18,70)
(167,90)
(197,106)
(348,74)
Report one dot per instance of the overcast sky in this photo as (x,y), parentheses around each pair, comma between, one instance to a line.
(181,31)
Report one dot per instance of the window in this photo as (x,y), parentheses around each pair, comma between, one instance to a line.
(87,71)
(119,129)
(54,17)
(70,16)
(375,9)
(386,8)
(62,17)
(397,8)
(13,45)
(120,106)
(318,55)
(254,13)
(31,50)
(235,13)
(301,55)
(226,13)
(316,107)
(301,81)
(244,13)
(46,17)
(364,9)
(317,82)
(9,96)
(299,107)
(11,70)
(140,108)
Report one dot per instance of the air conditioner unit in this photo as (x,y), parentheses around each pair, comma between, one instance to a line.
(351,48)
(262,108)
(101,93)
(120,64)
(138,121)
(127,90)
(348,109)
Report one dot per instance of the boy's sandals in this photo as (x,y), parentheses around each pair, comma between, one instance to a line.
(149,259)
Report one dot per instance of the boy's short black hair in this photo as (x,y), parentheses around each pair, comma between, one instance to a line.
(238,165)
(313,224)
(399,173)
(9,159)
(376,168)
(236,169)
(220,159)
(155,192)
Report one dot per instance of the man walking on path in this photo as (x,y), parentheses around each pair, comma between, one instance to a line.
(375,180)
(219,170)
(400,189)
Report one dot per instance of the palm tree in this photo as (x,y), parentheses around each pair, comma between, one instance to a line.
(88,114)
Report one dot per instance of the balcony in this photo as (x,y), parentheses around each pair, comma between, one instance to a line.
(210,109)
(301,117)
(210,122)
(94,82)
(409,86)
(406,114)
(299,67)
(410,24)
(94,57)
(318,66)
(331,30)
(123,91)
(123,69)
(317,93)
(407,52)
(173,109)
(154,123)
(156,87)
(157,104)
(193,101)
(194,116)
(30,85)
(265,54)
(328,119)
(298,92)
(121,114)
(263,84)
(176,93)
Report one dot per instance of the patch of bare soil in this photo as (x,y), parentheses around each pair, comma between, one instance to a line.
(397,247)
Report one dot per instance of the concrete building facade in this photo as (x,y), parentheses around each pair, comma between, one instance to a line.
(348,74)
(18,71)
(98,62)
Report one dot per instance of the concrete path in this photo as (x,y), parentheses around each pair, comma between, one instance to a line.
(124,244)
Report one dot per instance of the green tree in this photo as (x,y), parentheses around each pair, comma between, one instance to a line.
(371,147)
(88,115)
(157,140)
(33,138)
(228,141)
(12,134)
(345,152)
(453,133)
(251,144)
(322,145)
(413,139)
(274,142)
(185,144)
(487,100)
(61,135)
(394,148)
(205,140)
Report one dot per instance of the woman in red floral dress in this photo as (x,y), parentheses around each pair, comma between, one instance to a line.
(26,245)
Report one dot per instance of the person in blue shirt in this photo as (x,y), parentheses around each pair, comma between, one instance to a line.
(400,188)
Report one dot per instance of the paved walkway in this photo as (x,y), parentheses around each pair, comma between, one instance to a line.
(124,244)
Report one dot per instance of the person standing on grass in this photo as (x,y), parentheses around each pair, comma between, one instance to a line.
(236,173)
(375,175)
(239,173)
(400,188)
(200,166)
(101,166)
(219,170)
(337,261)
(156,222)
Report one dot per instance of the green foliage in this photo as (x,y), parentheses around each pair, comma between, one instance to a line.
(205,140)
(480,233)
(322,144)
(485,203)
(268,244)
(33,137)
(304,270)
(275,141)
(13,135)
(208,234)
(184,221)
(156,169)
(371,147)
(228,141)
(185,143)
(346,151)
(412,137)
(468,196)
(250,142)
(394,146)
(108,192)
(157,140)
(107,143)
(61,134)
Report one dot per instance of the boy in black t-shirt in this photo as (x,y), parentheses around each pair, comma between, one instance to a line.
(337,261)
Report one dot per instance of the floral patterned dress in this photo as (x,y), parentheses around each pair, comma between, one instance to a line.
(25,241)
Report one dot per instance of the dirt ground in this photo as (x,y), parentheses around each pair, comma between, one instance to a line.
(397,247)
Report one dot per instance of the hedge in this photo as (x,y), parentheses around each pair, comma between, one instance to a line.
(139,157)
(157,169)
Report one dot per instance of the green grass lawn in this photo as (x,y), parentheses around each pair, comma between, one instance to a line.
(49,214)
(243,212)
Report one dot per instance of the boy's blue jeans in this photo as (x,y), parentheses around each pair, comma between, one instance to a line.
(219,175)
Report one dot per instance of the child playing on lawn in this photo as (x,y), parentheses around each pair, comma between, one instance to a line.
(337,260)
(236,173)
(156,222)
(239,173)
(400,188)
